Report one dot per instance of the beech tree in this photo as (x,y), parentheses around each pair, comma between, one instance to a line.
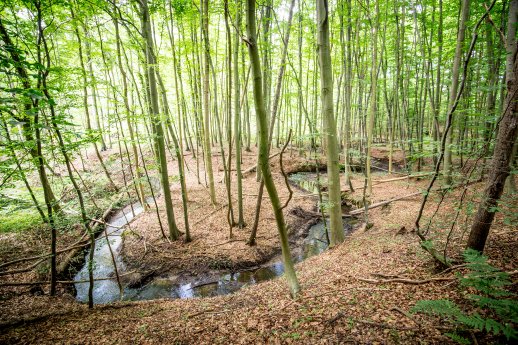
(289,270)
(156,120)
(505,140)
(326,85)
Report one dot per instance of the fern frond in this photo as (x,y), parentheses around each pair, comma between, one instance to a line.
(458,338)
(441,307)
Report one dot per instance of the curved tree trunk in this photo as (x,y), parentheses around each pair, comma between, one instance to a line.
(263,147)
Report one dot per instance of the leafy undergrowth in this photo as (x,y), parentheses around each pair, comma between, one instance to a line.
(16,212)
(486,291)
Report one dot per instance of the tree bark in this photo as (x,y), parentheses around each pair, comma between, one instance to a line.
(156,120)
(507,133)
(455,85)
(206,103)
(326,84)
(263,147)
(237,119)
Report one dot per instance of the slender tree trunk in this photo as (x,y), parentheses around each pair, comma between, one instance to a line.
(127,111)
(206,103)
(326,85)
(157,121)
(85,101)
(51,103)
(273,117)
(237,117)
(437,101)
(373,101)
(454,86)
(260,109)
(27,129)
(347,102)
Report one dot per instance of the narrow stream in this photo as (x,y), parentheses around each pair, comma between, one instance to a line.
(105,290)
(210,284)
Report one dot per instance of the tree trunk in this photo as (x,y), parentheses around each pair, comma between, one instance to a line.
(373,98)
(156,120)
(454,86)
(206,103)
(263,147)
(237,118)
(507,133)
(326,84)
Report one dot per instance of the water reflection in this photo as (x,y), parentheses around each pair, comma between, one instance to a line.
(229,282)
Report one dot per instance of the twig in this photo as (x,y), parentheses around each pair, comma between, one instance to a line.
(401,311)
(343,290)
(227,242)
(210,214)
(452,268)
(284,173)
(406,281)
(209,311)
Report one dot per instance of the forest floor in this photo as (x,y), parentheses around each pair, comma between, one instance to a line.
(341,301)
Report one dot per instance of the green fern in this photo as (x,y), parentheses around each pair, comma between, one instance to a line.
(484,277)
(442,307)
(490,283)
(458,338)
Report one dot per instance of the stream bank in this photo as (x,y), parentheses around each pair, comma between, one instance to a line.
(307,239)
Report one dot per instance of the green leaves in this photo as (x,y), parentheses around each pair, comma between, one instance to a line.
(443,307)
(501,315)
(484,277)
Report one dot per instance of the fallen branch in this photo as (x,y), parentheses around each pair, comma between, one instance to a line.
(94,225)
(22,270)
(406,281)
(24,259)
(343,290)
(227,242)
(374,183)
(203,284)
(210,311)
(406,314)
(60,281)
(382,203)
(251,169)
(210,214)
(417,281)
